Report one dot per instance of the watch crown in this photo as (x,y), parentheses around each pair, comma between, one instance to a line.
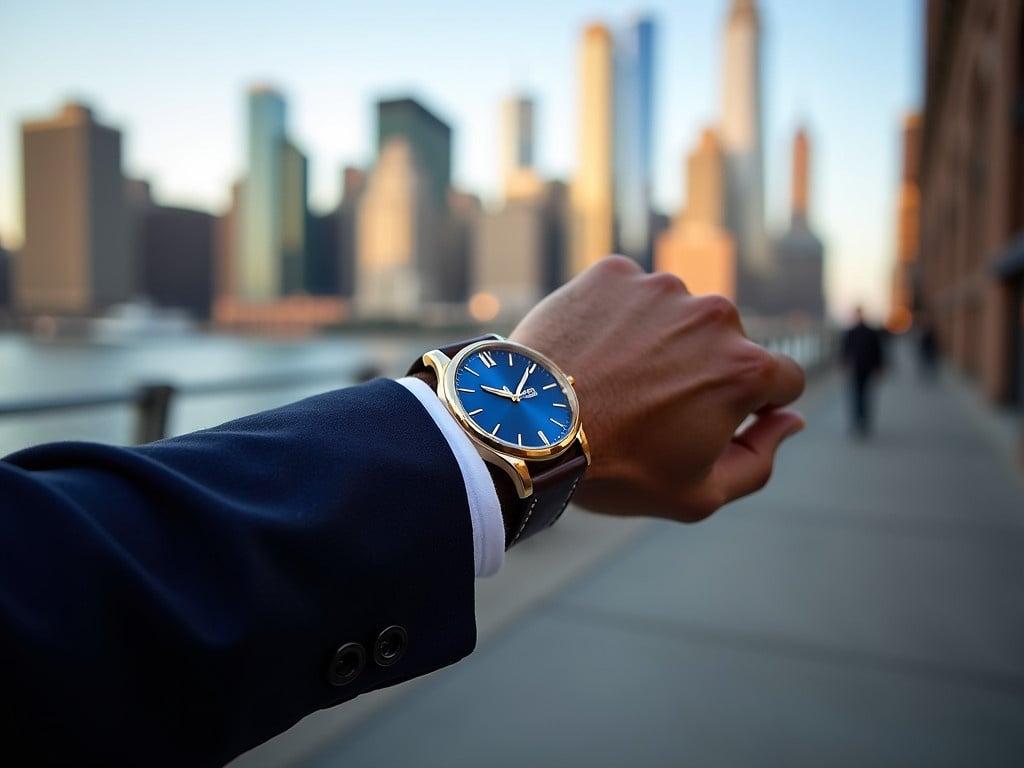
(572,380)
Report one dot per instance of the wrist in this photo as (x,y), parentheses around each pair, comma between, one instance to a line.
(428,377)
(508,499)
(535,455)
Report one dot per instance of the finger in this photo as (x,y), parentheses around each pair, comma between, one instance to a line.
(746,464)
(784,385)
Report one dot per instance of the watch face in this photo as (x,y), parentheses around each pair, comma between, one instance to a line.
(512,397)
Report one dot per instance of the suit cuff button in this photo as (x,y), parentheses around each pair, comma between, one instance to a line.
(390,645)
(346,665)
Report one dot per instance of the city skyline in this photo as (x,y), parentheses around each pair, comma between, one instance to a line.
(877,79)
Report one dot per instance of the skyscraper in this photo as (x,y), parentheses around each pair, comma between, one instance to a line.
(519,178)
(177,265)
(457,237)
(295,272)
(508,257)
(323,253)
(353,184)
(556,235)
(742,146)
(517,257)
(397,229)
(76,258)
(428,137)
(697,247)
(259,268)
(592,235)
(633,138)
(429,140)
(799,253)
(227,235)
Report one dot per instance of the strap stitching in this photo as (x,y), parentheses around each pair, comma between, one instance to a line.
(526,519)
(529,512)
(565,504)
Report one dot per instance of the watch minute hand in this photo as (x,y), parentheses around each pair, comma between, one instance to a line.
(522,381)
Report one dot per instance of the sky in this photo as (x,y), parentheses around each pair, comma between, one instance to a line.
(172,76)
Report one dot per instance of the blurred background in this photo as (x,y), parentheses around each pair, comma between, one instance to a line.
(211,208)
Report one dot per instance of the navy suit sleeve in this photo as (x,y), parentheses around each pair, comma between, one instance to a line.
(180,602)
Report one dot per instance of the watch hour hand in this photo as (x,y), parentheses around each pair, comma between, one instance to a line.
(500,392)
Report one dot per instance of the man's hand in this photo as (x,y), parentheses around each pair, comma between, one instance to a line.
(664,380)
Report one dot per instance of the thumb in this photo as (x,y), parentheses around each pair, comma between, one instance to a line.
(746,464)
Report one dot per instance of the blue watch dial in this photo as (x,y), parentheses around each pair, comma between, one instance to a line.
(513,398)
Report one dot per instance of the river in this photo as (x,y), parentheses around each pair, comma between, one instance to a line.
(33,369)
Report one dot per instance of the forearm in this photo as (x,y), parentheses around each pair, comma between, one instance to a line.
(192,593)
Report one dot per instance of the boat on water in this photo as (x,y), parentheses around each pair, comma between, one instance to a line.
(121,324)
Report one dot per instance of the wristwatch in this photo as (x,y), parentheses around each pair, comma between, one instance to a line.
(521,413)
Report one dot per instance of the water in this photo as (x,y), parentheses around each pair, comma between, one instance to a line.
(32,369)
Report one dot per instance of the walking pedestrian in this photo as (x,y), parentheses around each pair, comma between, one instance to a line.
(862,356)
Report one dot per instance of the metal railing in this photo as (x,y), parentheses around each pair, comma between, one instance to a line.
(153,401)
(814,349)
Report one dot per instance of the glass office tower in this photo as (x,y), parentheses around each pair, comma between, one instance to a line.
(259,270)
(634,137)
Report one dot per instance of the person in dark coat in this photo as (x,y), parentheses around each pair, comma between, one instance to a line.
(862,356)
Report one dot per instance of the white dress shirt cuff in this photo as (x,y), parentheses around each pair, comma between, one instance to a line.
(484,509)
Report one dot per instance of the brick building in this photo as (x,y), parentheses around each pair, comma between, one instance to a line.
(971,260)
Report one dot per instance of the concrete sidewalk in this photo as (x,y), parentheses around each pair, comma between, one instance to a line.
(866,609)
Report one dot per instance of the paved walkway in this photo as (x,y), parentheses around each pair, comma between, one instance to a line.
(866,609)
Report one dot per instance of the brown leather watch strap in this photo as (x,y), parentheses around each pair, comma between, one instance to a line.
(553,488)
(554,480)
(452,349)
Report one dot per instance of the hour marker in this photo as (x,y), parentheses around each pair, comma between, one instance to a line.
(519,439)
(496,428)
(487,359)
(549,386)
(472,371)
(543,437)
(463,389)
(509,359)
(556,423)
(474,413)
(533,368)
(560,405)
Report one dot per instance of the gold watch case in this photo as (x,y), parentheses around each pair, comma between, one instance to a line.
(510,458)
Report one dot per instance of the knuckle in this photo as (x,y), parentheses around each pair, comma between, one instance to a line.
(756,365)
(617,266)
(667,282)
(719,309)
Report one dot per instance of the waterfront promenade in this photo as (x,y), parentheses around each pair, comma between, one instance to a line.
(866,609)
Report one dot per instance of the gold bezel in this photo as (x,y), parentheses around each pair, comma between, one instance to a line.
(486,439)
